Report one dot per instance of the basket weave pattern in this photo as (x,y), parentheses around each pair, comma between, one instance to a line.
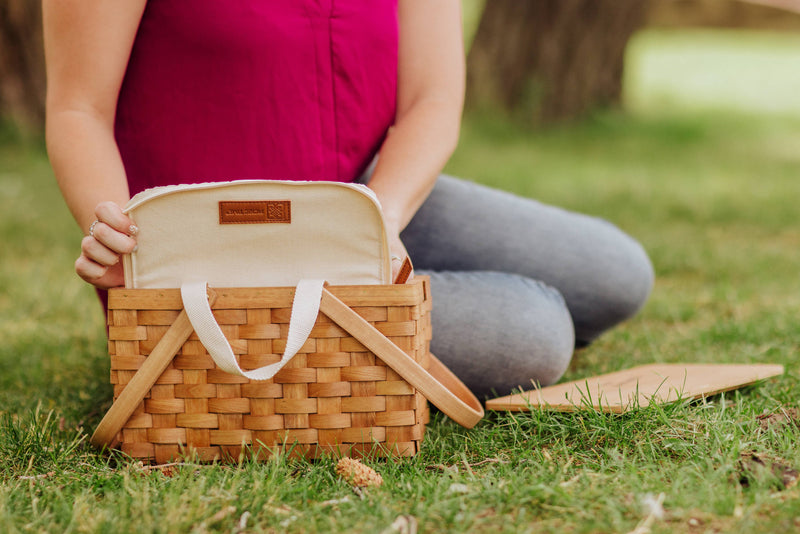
(334,397)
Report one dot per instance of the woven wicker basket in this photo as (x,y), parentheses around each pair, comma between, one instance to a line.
(334,397)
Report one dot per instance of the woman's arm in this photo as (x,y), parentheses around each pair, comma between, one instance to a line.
(430,98)
(87,46)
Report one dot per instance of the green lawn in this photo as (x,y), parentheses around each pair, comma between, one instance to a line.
(704,170)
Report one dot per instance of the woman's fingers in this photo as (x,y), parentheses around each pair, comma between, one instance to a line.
(109,237)
(111,214)
(113,229)
(100,276)
(88,269)
(97,252)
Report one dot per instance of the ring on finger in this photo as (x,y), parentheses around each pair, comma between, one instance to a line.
(91,228)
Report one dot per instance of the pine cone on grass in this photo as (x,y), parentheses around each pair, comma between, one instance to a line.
(357,474)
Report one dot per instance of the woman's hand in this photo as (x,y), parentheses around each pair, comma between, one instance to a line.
(110,236)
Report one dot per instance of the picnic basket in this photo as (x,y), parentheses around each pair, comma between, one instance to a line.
(358,385)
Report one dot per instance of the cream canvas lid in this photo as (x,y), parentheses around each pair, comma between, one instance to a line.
(329,230)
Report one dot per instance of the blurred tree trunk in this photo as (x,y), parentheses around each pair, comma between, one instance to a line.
(551,59)
(22,78)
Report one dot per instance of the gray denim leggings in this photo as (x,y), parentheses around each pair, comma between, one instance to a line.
(516,284)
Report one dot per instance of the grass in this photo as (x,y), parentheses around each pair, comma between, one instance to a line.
(709,190)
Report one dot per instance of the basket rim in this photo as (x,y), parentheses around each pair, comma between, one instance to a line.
(412,293)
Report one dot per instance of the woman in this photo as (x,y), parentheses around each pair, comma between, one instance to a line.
(144,93)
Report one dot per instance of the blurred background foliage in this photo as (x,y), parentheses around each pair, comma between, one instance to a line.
(542,61)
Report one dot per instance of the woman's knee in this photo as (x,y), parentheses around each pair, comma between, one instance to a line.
(622,283)
(499,331)
(640,277)
(541,343)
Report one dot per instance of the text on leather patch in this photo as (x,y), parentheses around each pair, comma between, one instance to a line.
(255,211)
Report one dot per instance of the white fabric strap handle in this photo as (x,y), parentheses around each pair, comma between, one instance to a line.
(304,314)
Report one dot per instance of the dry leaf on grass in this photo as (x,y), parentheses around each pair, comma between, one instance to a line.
(37,477)
(454,468)
(243,521)
(222,514)
(779,419)
(750,463)
(403,524)
(458,488)
(168,470)
(654,507)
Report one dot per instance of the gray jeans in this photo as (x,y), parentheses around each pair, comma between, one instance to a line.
(516,284)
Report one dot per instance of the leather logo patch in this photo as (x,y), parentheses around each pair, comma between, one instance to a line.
(255,211)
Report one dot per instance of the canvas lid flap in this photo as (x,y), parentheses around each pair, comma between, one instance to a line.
(257,233)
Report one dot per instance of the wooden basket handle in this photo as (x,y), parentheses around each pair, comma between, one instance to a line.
(154,365)
(440,386)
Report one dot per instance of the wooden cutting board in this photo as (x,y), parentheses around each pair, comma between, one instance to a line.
(638,387)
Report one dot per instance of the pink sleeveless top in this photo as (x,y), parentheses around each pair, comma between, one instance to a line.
(257,89)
